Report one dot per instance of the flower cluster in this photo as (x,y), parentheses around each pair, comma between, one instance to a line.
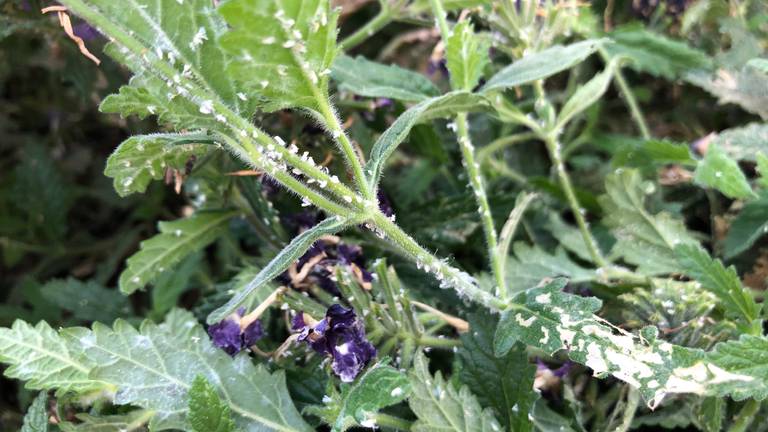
(339,335)
(230,335)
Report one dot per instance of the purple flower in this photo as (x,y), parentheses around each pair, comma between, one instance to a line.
(229,336)
(560,372)
(339,335)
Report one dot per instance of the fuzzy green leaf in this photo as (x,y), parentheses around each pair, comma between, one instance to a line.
(133,421)
(439,406)
(503,383)
(379,387)
(170,285)
(444,106)
(467,55)
(154,368)
(719,171)
(721,281)
(550,319)
(746,87)
(283,49)
(543,64)
(207,412)
(36,418)
(176,240)
(279,263)
(747,356)
(531,264)
(749,225)
(654,53)
(743,143)
(143,158)
(41,357)
(586,95)
(643,239)
(181,37)
(367,78)
(87,301)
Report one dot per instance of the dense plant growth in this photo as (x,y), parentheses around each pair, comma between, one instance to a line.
(457,215)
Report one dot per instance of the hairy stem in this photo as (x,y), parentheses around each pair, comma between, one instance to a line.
(553,147)
(476,181)
(449,276)
(340,136)
(442,24)
(390,421)
(629,97)
(378,22)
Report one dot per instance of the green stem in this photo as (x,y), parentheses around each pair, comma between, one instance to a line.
(338,133)
(499,144)
(438,342)
(449,276)
(553,147)
(745,417)
(378,22)
(389,421)
(629,97)
(442,24)
(476,181)
(633,400)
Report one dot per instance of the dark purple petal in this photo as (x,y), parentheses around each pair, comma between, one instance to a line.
(226,335)
(384,204)
(348,254)
(252,333)
(85,31)
(351,352)
(340,317)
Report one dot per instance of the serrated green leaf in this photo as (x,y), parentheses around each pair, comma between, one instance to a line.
(379,387)
(466,55)
(39,356)
(550,319)
(531,264)
(182,36)
(36,418)
(543,64)
(745,142)
(723,282)
(719,171)
(586,95)
(654,53)
(444,106)
(176,240)
(502,383)
(87,300)
(548,420)
(749,225)
(651,153)
(439,406)
(283,49)
(143,158)
(747,356)
(134,421)
(747,87)
(279,263)
(643,239)
(207,412)
(367,78)
(154,368)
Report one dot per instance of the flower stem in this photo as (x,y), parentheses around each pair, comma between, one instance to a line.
(476,181)
(745,417)
(378,22)
(553,147)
